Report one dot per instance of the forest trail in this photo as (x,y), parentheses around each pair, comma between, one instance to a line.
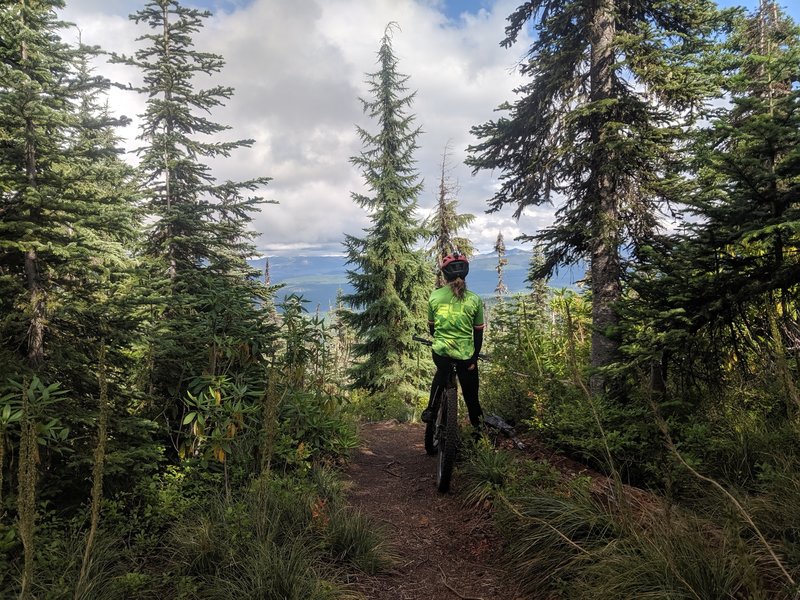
(445,550)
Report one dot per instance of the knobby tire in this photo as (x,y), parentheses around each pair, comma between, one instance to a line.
(449,445)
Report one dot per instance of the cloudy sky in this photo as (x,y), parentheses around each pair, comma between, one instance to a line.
(298,68)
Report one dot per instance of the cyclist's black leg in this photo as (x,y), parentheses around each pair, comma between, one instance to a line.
(440,381)
(442,377)
(469,380)
(436,393)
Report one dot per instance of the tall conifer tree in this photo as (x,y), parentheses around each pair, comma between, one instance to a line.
(67,198)
(611,82)
(501,289)
(389,277)
(747,188)
(67,225)
(445,223)
(199,240)
(35,114)
(738,251)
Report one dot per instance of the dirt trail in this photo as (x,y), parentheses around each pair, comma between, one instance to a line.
(445,550)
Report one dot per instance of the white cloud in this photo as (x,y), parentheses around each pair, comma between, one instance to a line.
(298,69)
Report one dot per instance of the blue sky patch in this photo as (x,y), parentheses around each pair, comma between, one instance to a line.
(454,8)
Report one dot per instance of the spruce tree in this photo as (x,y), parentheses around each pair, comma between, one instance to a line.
(201,306)
(389,277)
(537,282)
(611,84)
(67,225)
(748,163)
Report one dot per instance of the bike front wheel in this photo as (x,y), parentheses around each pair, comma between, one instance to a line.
(448,442)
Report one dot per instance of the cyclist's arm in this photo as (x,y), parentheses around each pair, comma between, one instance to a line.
(431,318)
(477,338)
(477,334)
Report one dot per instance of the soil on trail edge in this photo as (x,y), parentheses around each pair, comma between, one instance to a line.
(444,549)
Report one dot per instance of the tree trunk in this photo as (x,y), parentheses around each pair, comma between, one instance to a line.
(605,233)
(172,270)
(37,310)
(35,291)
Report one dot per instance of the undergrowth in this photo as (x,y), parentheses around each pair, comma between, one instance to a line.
(579,538)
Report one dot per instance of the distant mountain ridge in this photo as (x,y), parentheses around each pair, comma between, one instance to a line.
(319,278)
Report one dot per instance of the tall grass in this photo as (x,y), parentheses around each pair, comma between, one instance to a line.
(265,569)
(485,474)
(668,558)
(553,535)
(353,539)
(61,574)
(279,540)
(583,543)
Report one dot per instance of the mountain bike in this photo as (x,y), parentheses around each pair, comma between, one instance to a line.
(441,435)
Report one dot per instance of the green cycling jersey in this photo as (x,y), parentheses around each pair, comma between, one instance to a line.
(454,321)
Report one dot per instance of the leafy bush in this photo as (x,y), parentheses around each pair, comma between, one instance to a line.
(382,407)
(312,428)
(532,475)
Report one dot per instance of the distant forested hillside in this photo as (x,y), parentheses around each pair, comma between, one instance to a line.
(318,278)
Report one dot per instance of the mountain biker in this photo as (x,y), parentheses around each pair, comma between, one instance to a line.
(455,320)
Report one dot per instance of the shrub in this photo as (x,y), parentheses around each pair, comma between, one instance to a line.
(312,428)
(381,407)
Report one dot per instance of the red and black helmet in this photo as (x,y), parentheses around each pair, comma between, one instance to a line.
(454,265)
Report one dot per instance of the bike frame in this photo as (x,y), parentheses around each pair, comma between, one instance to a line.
(446,432)
(441,436)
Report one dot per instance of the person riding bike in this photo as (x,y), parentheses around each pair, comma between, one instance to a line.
(455,320)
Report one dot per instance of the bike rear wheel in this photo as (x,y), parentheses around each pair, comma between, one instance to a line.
(448,442)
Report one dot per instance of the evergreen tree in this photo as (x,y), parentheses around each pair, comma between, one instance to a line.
(748,162)
(100,189)
(612,82)
(535,280)
(68,223)
(36,92)
(67,203)
(389,278)
(202,308)
(732,272)
(445,222)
